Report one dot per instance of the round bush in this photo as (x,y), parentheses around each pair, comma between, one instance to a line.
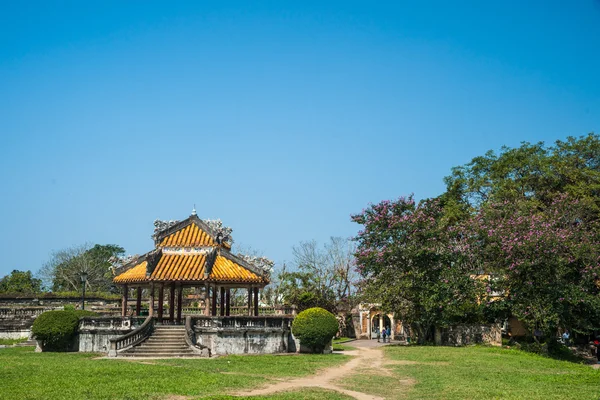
(57,329)
(315,328)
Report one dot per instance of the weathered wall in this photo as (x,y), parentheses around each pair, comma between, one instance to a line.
(244,334)
(15,323)
(461,335)
(95,332)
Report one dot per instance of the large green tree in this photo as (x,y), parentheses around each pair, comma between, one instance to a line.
(20,282)
(62,272)
(406,257)
(527,218)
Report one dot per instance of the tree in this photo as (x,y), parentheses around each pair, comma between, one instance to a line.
(20,282)
(523,223)
(546,260)
(406,258)
(322,276)
(62,272)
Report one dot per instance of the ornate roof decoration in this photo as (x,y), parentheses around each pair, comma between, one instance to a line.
(160,225)
(217,226)
(263,263)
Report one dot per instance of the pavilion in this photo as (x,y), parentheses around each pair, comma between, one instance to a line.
(190,253)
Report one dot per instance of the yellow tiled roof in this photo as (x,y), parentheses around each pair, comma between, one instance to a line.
(227,271)
(190,236)
(180,267)
(190,267)
(135,274)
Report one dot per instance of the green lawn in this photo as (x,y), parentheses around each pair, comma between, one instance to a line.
(10,342)
(407,372)
(28,375)
(477,373)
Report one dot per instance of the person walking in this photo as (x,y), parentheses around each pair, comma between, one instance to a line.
(383,334)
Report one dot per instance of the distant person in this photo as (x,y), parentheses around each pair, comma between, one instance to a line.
(566,337)
(383,334)
(389,334)
(377,332)
(596,344)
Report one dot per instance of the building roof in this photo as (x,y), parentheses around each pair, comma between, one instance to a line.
(188,252)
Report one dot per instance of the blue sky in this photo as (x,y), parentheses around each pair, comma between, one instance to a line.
(281,118)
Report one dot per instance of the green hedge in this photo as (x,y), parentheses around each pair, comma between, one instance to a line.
(315,328)
(56,330)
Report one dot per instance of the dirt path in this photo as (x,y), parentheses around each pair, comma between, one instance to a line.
(368,358)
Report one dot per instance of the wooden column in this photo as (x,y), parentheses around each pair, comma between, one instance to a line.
(206,299)
(151,305)
(179,303)
(161,299)
(228,302)
(222,313)
(124,307)
(172,302)
(256,301)
(138,303)
(250,300)
(214,301)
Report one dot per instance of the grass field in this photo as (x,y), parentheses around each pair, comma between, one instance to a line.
(407,372)
(28,375)
(477,373)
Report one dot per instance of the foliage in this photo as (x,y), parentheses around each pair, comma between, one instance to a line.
(63,271)
(546,260)
(20,282)
(323,277)
(315,328)
(28,375)
(515,233)
(57,329)
(405,255)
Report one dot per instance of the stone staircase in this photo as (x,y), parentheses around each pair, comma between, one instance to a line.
(165,341)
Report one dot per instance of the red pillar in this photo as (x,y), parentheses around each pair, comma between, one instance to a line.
(222,313)
(138,303)
(161,298)
(256,301)
(172,302)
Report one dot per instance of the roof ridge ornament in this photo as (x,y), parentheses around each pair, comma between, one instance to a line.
(194,210)
(161,225)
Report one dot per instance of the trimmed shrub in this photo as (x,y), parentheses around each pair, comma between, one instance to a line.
(56,330)
(315,328)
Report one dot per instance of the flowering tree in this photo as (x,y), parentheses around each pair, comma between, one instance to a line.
(546,259)
(407,259)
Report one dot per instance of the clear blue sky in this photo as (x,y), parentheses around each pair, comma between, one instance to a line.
(281,118)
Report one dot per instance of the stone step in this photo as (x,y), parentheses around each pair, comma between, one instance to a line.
(161,337)
(158,355)
(165,350)
(158,344)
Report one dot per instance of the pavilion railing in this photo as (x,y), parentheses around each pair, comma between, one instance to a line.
(243,310)
(190,339)
(132,338)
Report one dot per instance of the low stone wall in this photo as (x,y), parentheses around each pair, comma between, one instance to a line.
(15,323)
(245,334)
(95,332)
(462,335)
